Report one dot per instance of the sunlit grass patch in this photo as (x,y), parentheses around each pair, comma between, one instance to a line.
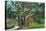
(37,26)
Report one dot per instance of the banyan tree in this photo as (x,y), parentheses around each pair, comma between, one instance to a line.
(27,12)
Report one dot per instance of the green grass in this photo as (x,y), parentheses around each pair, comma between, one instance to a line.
(37,26)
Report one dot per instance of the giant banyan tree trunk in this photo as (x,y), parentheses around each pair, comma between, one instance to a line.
(21,21)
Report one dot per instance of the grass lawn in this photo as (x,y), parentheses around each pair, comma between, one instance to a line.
(37,26)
